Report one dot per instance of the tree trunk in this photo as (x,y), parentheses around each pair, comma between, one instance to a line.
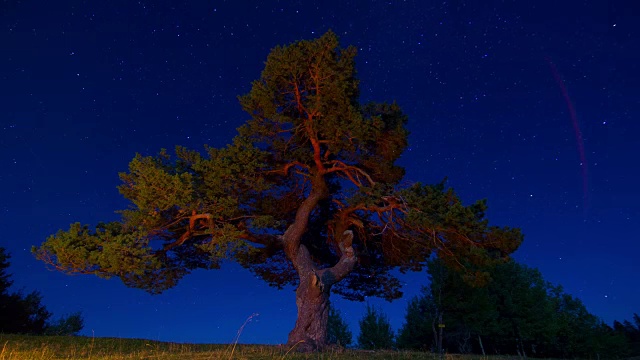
(312,295)
(438,335)
(481,347)
(312,299)
(524,353)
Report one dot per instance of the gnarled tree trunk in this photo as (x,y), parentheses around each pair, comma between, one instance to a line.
(312,299)
(312,295)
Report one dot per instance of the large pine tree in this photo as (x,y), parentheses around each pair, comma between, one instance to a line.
(307,189)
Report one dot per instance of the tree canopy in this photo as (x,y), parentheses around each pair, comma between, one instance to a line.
(518,312)
(337,329)
(375,330)
(308,188)
(25,314)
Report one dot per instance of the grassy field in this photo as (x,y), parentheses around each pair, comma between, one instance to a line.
(18,347)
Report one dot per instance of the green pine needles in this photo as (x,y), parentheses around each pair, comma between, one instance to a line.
(375,330)
(308,194)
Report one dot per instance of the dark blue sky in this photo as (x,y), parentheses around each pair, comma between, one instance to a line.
(533,105)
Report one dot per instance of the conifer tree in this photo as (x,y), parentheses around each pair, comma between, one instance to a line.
(417,332)
(307,194)
(19,313)
(338,332)
(630,332)
(71,324)
(25,314)
(517,312)
(375,330)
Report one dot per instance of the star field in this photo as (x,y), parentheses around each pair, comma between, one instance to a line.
(532,105)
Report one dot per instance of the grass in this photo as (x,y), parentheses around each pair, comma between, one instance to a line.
(21,347)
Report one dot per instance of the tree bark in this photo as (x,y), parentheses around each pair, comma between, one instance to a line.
(437,333)
(440,329)
(312,299)
(481,347)
(312,295)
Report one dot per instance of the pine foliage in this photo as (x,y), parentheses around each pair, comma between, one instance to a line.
(631,332)
(338,332)
(307,131)
(375,330)
(24,313)
(68,325)
(420,318)
(19,313)
(517,312)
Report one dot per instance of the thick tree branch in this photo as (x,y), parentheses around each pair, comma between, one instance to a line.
(339,271)
(263,239)
(285,169)
(190,230)
(292,236)
(345,213)
(315,143)
(353,173)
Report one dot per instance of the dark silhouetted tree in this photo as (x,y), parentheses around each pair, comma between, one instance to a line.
(524,307)
(420,322)
(375,330)
(25,314)
(631,333)
(518,312)
(68,325)
(579,333)
(5,276)
(338,332)
(306,190)
(19,313)
(468,312)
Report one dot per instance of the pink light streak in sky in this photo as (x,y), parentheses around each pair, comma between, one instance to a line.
(576,130)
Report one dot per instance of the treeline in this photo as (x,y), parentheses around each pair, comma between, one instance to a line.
(25,314)
(516,313)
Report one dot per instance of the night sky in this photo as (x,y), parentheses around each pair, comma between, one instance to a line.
(533,105)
